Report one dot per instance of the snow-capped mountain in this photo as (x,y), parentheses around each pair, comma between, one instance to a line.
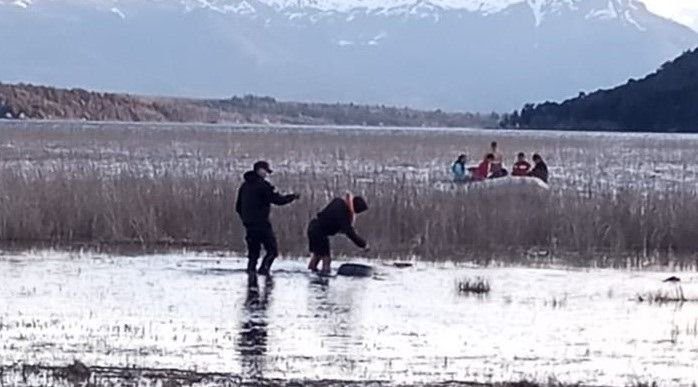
(454,54)
(616,9)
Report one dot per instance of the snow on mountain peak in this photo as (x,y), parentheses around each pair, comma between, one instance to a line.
(295,9)
(541,8)
(348,5)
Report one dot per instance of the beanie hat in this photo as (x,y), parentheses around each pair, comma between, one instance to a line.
(359,204)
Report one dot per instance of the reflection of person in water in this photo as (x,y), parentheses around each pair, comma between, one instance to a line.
(252,343)
(337,317)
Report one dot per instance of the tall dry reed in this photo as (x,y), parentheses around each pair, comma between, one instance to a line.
(614,228)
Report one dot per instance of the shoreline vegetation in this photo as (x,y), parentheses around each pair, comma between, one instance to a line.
(150,190)
(166,212)
(25,101)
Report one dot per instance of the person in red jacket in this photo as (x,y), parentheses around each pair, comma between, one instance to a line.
(521,167)
(482,171)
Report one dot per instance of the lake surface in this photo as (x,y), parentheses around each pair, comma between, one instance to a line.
(199,312)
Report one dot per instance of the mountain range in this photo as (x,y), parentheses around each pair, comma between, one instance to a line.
(479,55)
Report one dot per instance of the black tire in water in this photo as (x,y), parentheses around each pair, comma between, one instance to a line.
(355,270)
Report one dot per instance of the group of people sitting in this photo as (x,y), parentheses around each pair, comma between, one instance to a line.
(491,167)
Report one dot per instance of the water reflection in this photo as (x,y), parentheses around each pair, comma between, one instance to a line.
(333,304)
(252,344)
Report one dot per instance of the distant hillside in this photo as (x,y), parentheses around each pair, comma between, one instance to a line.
(39,102)
(665,101)
(476,55)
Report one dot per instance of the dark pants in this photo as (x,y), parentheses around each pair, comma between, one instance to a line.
(318,241)
(319,245)
(258,237)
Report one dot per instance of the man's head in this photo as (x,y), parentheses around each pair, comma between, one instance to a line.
(489,157)
(493,145)
(462,159)
(536,158)
(359,204)
(521,156)
(262,168)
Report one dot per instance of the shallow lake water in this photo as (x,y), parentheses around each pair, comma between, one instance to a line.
(199,312)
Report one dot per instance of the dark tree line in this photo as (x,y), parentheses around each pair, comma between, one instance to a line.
(665,101)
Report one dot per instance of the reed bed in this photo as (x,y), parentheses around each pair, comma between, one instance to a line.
(628,229)
(68,184)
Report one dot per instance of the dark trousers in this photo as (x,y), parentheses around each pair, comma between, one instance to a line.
(258,237)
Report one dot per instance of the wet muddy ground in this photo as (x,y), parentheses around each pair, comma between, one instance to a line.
(201,315)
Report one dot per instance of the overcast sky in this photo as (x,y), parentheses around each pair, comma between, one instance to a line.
(683,11)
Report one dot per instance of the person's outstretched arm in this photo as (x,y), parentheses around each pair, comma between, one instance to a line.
(351,234)
(282,200)
(278,199)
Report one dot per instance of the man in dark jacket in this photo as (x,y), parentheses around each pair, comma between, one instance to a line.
(540,170)
(337,217)
(254,200)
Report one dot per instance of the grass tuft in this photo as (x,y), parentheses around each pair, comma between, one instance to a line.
(664,297)
(476,285)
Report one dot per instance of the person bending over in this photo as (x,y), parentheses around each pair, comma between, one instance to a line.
(338,217)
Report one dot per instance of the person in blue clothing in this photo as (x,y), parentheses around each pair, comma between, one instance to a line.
(460,171)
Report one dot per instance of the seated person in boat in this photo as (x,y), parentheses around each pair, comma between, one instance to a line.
(482,171)
(521,166)
(497,171)
(461,173)
(540,170)
(498,160)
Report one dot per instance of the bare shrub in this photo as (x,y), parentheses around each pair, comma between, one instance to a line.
(664,297)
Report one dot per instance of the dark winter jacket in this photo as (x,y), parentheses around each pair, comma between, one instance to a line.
(337,218)
(540,170)
(255,198)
